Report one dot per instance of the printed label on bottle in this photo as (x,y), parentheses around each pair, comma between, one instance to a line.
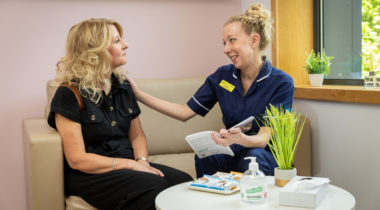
(253,194)
(254,190)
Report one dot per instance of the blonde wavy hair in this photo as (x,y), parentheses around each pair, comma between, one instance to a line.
(87,62)
(256,19)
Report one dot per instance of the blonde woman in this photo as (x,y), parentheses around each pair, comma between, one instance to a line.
(244,88)
(104,144)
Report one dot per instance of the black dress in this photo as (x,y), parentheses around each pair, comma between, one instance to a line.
(105,128)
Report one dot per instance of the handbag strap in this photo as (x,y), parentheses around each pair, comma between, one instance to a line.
(74,89)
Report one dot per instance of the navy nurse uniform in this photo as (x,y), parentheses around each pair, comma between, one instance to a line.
(272,86)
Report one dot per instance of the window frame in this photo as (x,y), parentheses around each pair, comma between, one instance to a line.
(318,44)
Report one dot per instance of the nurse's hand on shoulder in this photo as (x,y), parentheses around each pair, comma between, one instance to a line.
(226,138)
(133,84)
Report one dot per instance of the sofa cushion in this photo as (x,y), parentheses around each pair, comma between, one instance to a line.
(77,203)
(184,161)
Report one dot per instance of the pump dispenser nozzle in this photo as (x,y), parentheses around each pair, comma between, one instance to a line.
(253,166)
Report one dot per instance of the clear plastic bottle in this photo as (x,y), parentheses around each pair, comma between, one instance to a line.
(253,184)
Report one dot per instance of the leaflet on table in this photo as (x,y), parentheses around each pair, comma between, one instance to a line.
(219,182)
(203,144)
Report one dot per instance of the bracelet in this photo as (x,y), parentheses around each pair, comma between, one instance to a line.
(141,158)
(113,163)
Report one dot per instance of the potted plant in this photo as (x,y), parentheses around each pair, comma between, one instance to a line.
(317,65)
(286,129)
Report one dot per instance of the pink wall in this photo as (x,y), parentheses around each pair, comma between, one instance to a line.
(167,38)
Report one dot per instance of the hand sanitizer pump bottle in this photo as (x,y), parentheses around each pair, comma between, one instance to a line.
(253,184)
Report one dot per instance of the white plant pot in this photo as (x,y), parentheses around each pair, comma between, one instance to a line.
(316,80)
(282,177)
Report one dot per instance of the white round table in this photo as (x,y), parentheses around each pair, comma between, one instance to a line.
(181,197)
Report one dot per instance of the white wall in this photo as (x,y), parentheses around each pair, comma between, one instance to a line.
(345,147)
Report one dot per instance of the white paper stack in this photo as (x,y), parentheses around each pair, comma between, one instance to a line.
(303,191)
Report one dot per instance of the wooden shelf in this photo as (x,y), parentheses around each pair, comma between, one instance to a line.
(354,94)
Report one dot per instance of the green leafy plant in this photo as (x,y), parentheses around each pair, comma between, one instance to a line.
(286,129)
(318,63)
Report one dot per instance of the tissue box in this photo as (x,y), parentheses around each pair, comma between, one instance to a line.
(304,191)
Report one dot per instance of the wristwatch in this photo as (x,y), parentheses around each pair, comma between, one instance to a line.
(141,158)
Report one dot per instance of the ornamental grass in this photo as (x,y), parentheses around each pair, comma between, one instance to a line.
(286,129)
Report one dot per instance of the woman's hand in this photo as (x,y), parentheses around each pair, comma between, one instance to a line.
(144,166)
(155,170)
(236,136)
(228,137)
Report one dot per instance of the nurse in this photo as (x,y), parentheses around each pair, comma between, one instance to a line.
(244,88)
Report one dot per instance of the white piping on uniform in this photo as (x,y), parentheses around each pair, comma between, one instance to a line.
(264,77)
(233,74)
(200,104)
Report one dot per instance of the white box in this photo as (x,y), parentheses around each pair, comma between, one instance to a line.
(304,191)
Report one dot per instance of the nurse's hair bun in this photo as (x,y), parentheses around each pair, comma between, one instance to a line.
(256,19)
(258,14)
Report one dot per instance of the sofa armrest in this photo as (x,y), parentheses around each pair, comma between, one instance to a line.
(43,165)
